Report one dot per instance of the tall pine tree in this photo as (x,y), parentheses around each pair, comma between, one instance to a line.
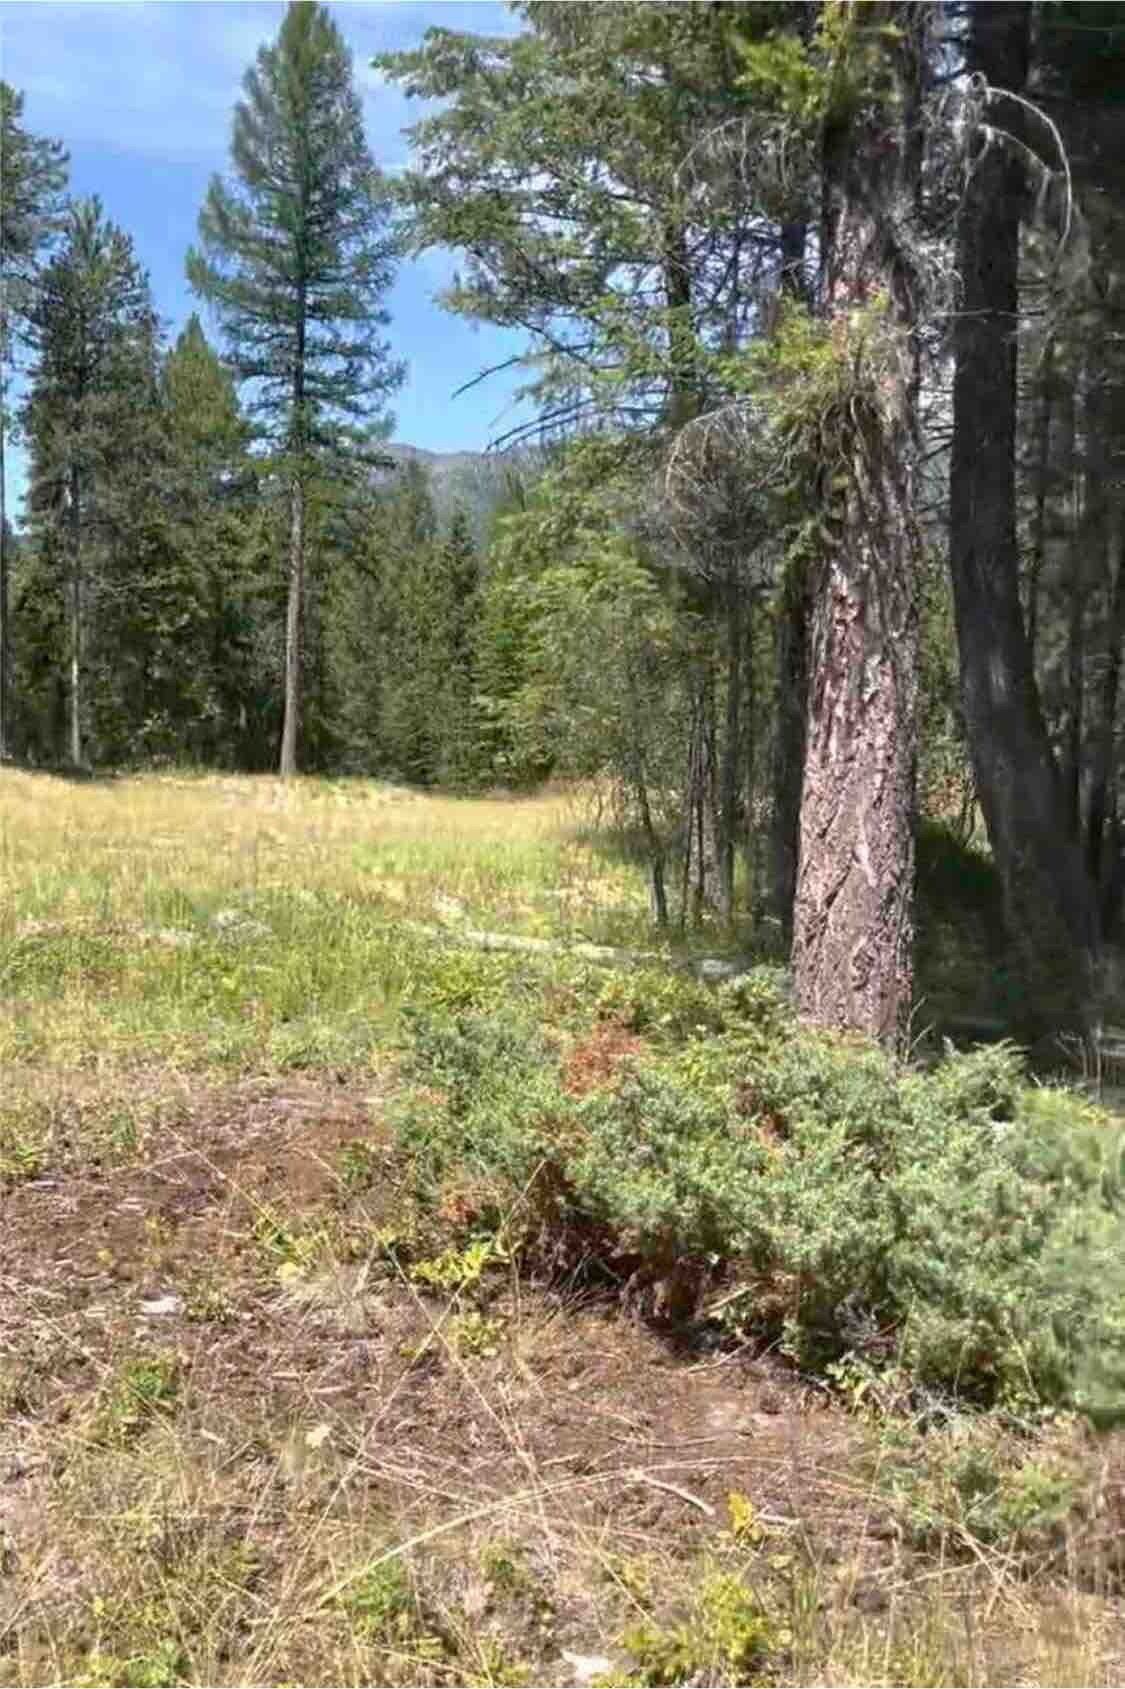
(32,181)
(88,415)
(296,258)
(208,495)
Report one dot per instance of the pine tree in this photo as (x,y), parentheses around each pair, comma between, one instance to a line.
(210,484)
(459,575)
(1039,408)
(403,553)
(853,938)
(32,182)
(296,259)
(632,184)
(90,415)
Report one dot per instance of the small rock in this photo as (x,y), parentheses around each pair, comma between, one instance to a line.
(713,970)
(232,923)
(176,938)
(586,1666)
(156,1305)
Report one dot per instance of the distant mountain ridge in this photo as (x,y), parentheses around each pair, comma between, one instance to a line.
(439,462)
(474,482)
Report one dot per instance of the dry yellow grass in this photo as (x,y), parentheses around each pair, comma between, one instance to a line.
(240,920)
(101,847)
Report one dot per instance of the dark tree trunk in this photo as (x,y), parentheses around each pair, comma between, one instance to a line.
(1102,810)
(1051,911)
(1044,406)
(75,541)
(682,403)
(853,927)
(293,628)
(702,860)
(1075,629)
(295,607)
(5,644)
(5,683)
(788,749)
(731,761)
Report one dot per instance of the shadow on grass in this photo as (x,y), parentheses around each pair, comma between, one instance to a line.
(65,771)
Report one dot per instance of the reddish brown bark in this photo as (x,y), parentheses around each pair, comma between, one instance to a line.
(853,925)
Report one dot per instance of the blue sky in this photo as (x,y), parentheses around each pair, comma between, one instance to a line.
(141,93)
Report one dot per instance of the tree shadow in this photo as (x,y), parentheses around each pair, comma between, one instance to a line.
(64,771)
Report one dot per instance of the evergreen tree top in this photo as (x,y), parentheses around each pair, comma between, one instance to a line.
(294,247)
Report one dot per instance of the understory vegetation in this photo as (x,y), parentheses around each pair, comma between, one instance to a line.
(378,1307)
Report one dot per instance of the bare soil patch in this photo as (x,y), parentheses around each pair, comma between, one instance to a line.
(545,1470)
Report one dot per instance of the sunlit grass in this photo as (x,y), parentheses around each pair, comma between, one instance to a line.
(233,920)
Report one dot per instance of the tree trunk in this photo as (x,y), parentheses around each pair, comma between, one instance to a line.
(731,761)
(1103,781)
(657,887)
(295,608)
(293,620)
(1051,912)
(853,926)
(753,836)
(788,749)
(5,644)
(1044,405)
(704,821)
(75,525)
(1076,626)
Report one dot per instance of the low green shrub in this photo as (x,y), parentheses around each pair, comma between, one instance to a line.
(973,1481)
(959,1221)
(725,1636)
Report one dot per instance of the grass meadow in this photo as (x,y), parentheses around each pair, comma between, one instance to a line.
(268,1416)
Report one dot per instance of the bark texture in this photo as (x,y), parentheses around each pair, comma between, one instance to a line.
(853,927)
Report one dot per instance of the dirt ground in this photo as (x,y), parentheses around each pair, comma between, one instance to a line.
(326,1405)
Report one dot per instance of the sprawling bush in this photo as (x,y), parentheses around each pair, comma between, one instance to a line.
(960,1221)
